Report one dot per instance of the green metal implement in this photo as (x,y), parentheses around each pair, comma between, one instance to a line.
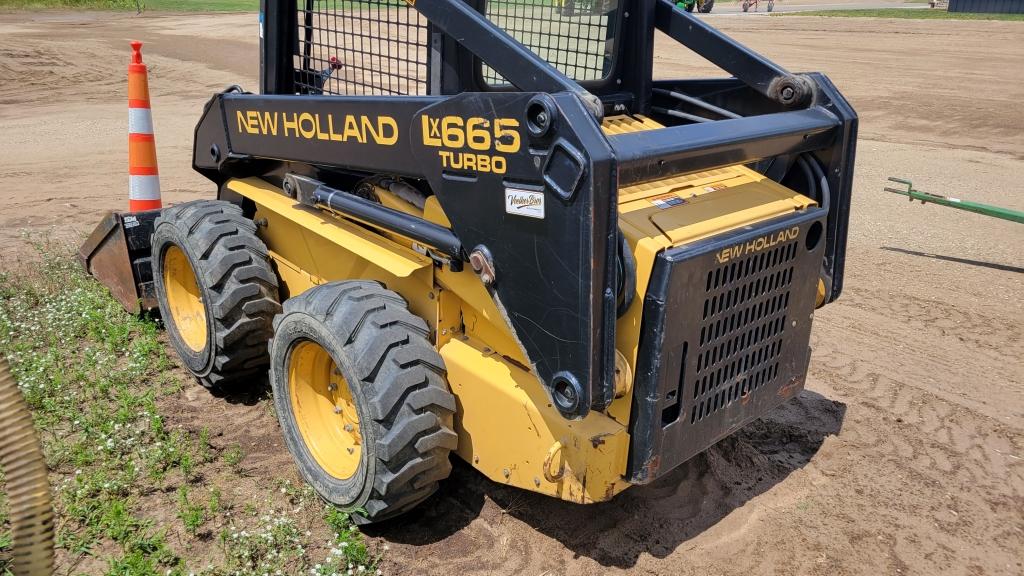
(977,207)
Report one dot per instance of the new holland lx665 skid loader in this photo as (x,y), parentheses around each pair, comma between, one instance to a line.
(481,227)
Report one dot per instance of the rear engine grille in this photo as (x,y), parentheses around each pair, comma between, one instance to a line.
(744,321)
(724,337)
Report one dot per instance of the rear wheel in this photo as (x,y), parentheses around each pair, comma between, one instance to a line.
(362,398)
(216,289)
(706,6)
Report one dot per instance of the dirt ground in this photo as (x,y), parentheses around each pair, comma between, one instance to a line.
(904,456)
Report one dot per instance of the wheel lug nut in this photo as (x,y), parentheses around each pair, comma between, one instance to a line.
(349,428)
(337,409)
(351,450)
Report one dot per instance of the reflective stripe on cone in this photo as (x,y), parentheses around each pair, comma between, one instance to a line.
(140,121)
(144,187)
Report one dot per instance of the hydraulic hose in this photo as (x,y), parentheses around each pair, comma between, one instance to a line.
(826,193)
(626,272)
(28,491)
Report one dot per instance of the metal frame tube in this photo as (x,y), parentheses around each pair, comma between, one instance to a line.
(655,154)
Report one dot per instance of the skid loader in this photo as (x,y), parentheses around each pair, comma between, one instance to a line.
(481,227)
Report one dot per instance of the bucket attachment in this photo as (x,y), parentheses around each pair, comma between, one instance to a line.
(117,253)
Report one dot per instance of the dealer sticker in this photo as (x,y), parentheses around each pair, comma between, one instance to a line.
(524,203)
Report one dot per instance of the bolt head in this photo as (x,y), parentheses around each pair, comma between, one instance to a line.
(567,394)
(476,260)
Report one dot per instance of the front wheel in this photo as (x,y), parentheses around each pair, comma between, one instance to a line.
(362,398)
(217,291)
(745,5)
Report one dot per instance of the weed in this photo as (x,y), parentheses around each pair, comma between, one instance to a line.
(349,552)
(204,449)
(213,504)
(273,545)
(233,456)
(191,515)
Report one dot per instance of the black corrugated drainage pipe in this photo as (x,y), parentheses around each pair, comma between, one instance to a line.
(28,492)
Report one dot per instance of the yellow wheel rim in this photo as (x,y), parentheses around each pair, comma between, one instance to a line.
(184,299)
(324,410)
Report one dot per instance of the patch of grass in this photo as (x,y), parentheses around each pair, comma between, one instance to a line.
(203,5)
(913,14)
(150,5)
(5,550)
(70,4)
(5,533)
(94,377)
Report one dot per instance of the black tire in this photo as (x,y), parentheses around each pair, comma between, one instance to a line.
(398,383)
(706,7)
(688,7)
(238,286)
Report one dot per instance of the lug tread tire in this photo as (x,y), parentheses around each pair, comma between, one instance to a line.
(404,385)
(237,280)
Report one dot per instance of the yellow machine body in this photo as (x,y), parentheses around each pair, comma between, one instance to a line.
(507,426)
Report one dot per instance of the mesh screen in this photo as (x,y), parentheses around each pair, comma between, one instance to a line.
(376,47)
(745,310)
(576,36)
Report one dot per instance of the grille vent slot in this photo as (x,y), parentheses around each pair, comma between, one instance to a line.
(745,309)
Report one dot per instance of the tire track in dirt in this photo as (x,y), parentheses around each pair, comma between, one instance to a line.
(641,527)
(243,418)
(941,462)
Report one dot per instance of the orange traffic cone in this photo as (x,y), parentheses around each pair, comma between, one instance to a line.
(143,177)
